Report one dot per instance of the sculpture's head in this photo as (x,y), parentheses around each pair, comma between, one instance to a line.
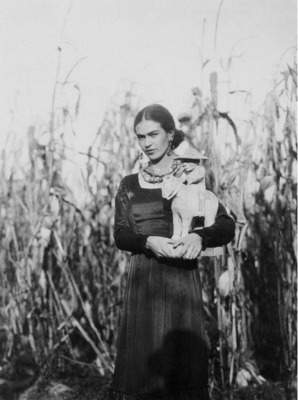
(190,159)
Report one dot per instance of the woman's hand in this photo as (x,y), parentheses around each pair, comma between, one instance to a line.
(190,246)
(163,247)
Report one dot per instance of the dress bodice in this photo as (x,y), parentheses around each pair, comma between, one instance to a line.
(148,213)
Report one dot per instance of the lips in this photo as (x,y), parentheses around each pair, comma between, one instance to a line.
(149,152)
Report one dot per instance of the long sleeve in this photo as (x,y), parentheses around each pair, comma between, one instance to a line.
(125,238)
(221,232)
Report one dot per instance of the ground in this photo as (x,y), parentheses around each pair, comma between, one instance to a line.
(96,388)
(72,388)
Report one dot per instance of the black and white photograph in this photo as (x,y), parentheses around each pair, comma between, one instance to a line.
(148,200)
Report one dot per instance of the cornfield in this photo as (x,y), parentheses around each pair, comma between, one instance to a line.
(62,280)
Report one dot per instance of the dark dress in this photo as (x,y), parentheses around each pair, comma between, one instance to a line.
(162,350)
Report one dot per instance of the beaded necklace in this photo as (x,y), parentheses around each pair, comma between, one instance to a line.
(156,176)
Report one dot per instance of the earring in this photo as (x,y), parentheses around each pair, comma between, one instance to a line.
(170,149)
(141,156)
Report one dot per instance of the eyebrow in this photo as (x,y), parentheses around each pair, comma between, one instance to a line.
(155,131)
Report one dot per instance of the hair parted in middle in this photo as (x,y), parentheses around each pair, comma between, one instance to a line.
(158,113)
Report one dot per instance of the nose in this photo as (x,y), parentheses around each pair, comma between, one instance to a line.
(148,142)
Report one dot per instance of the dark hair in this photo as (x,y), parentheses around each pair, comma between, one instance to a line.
(158,113)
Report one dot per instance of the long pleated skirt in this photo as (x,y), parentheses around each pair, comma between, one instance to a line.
(162,350)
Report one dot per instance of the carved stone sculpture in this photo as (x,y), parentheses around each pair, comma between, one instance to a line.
(190,198)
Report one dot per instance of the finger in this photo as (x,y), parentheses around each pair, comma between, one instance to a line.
(179,253)
(178,242)
(170,248)
(188,255)
(177,245)
(183,252)
(194,255)
(169,252)
(190,252)
(185,247)
(172,241)
(197,250)
(193,252)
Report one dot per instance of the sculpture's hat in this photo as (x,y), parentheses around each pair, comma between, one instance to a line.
(184,117)
(191,155)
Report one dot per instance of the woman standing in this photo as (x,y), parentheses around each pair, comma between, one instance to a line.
(162,350)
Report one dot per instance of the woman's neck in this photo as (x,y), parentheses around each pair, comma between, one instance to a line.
(165,162)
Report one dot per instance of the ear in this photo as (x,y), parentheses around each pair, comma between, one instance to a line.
(171,135)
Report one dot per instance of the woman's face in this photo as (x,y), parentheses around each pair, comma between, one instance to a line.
(153,139)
